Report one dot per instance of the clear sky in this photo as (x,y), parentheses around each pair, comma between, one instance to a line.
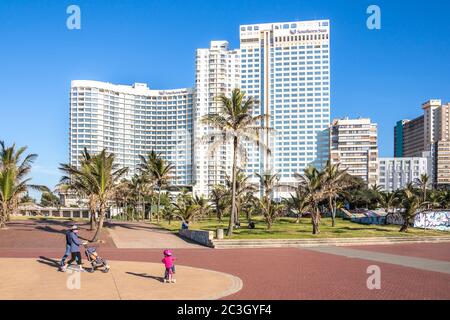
(382,74)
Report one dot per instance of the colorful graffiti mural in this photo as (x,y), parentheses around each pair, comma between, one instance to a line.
(436,220)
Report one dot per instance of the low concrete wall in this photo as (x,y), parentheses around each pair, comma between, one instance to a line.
(203,237)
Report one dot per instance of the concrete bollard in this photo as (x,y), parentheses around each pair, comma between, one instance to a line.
(219,234)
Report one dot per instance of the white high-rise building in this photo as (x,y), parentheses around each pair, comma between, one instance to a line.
(131,121)
(396,173)
(286,68)
(217,73)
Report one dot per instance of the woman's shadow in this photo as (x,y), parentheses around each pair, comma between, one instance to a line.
(144,275)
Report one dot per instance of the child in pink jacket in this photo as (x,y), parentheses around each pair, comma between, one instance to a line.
(170,267)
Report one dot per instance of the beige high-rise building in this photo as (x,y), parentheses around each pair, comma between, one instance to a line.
(441,144)
(353,144)
(427,135)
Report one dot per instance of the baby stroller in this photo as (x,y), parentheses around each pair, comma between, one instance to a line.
(95,260)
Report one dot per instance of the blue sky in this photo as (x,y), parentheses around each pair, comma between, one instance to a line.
(382,74)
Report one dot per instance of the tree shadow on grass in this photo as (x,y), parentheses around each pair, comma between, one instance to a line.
(144,275)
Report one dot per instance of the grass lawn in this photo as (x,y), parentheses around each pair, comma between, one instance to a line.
(286,228)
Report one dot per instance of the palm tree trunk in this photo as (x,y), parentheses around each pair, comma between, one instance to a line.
(100,223)
(405,225)
(315,221)
(3,216)
(159,203)
(233,190)
(330,204)
(150,214)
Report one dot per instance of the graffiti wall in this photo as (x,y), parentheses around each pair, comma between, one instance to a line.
(437,220)
(394,218)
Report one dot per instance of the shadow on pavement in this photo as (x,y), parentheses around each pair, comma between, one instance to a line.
(50,262)
(144,275)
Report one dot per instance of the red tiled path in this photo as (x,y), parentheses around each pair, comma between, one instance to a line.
(287,273)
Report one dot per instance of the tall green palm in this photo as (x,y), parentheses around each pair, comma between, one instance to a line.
(156,170)
(13,181)
(102,176)
(75,180)
(312,183)
(335,182)
(235,124)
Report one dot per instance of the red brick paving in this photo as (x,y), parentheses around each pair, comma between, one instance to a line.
(44,234)
(287,273)
(434,251)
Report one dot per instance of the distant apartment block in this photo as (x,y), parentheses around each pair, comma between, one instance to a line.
(353,144)
(408,138)
(427,135)
(396,173)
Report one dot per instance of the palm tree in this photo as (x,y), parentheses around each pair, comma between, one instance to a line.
(185,208)
(270,210)
(13,181)
(157,170)
(423,183)
(335,182)
(389,200)
(436,199)
(411,203)
(235,124)
(312,183)
(243,188)
(75,179)
(218,197)
(299,203)
(202,205)
(101,176)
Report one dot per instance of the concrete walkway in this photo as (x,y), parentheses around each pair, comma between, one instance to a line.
(412,262)
(145,236)
(39,279)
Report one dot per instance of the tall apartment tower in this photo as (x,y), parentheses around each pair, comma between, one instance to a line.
(217,73)
(427,136)
(409,138)
(130,121)
(353,144)
(285,67)
(439,139)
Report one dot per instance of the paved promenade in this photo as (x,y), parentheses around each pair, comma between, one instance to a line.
(38,279)
(408,271)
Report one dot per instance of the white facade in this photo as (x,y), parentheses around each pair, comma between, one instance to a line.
(130,121)
(286,68)
(396,173)
(217,73)
(353,145)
